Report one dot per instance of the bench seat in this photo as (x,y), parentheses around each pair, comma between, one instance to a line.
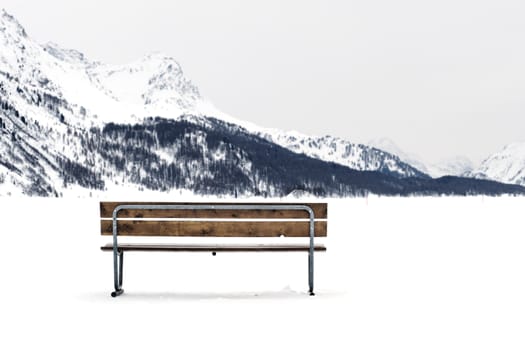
(215,247)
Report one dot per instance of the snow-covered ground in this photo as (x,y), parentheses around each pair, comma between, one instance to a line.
(400,273)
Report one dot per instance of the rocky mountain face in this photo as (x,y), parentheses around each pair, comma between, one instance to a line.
(68,124)
(507,165)
(391,147)
(337,150)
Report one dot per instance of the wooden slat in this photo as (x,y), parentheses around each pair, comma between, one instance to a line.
(215,247)
(320,211)
(214,228)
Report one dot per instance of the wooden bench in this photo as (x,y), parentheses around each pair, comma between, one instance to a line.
(212,220)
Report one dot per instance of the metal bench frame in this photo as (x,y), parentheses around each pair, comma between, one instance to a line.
(118,256)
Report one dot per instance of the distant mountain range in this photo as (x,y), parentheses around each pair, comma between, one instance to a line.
(506,166)
(456,166)
(68,124)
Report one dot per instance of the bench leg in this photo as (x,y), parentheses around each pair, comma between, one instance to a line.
(118,274)
(311,273)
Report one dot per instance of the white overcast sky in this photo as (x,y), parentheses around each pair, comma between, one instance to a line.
(440,78)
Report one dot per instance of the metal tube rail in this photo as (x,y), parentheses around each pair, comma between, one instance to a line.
(116,266)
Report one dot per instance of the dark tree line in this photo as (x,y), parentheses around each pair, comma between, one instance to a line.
(247,164)
(75,173)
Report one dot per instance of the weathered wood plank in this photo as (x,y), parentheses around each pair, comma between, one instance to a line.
(214,228)
(320,211)
(215,247)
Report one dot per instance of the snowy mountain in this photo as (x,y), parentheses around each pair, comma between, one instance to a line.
(507,165)
(352,155)
(391,147)
(72,125)
(154,85)
(455,166)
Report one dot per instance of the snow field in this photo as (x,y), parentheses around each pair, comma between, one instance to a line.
(400,273)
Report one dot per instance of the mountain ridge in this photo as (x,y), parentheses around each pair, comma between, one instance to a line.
(506,165)
(68,123)
(156,85)
(453,166)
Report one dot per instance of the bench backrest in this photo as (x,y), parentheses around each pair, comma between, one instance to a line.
(217,222)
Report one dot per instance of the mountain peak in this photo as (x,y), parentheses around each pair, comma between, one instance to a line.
(161,63)
(388,145)
(455,166)
(157,56)
(507,165)
(66,55)
(9,21)
(515,147)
